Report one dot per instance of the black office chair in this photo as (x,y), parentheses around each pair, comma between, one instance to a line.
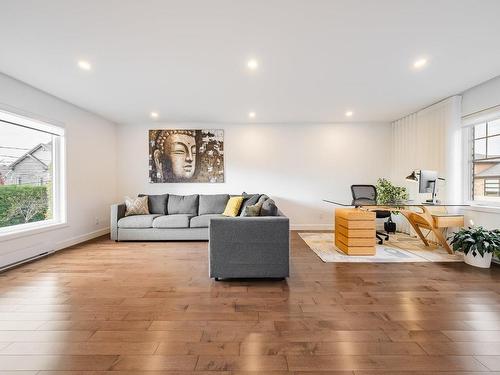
(366,194)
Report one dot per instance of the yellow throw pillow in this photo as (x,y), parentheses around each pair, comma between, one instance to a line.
(233,206)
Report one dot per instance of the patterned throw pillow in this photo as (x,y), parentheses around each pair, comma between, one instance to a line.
(252,210)
(136,206)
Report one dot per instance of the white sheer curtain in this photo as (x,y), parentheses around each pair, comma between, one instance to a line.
(429,139)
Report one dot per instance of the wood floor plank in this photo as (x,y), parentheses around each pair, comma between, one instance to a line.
(155,363)
(242,363)
(492,362)
(81,348)
(334,348)
(377,362)
(56,362)
(461,348)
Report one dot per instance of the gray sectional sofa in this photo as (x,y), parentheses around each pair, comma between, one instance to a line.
(239,247)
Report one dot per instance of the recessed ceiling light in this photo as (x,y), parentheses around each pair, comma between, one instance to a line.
(349,113)
(84,65)
(420,63)
(252,64)
(251,114)
(154,115)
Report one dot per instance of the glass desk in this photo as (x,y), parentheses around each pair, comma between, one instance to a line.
(421,215)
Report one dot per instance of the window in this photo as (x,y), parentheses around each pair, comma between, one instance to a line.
(486,161)
(31,173)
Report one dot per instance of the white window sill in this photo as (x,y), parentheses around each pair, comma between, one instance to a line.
(24,230)
(482,208)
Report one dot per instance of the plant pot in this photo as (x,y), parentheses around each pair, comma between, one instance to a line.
(478,260)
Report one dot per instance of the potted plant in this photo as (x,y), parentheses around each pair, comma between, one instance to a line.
(388,193)
(477,244)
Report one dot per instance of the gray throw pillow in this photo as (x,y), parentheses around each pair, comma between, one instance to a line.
(269,208)
(157,203)
(212,204)
(182,204)
(253,210)
(263,198)
(248,200)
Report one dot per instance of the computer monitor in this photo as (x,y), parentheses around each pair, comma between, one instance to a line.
(428,183)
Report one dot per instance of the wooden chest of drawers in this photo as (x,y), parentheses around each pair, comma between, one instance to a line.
(355,231)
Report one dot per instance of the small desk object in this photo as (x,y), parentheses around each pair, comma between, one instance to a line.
(432,217)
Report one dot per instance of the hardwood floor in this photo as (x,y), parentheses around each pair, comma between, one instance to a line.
(150,308)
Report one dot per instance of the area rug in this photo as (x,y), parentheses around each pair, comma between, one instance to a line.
(323,246)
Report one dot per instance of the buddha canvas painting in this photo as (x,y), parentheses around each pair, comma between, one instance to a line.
(186,155)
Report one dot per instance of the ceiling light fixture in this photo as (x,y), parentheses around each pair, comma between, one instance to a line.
(349,113)
(251,115)
(154,115)
(420,63)
(252,64)
(84,65)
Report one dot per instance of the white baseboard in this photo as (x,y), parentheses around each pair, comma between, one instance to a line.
(79,239)
(42,249)
(311,226)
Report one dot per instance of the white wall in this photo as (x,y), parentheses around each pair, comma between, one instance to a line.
(91,169)
(481,97)
(298,165)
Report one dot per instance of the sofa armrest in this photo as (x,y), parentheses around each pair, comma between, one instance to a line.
(249,241)
(117,212)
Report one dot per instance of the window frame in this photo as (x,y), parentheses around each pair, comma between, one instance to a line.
(469,161)
(59,203)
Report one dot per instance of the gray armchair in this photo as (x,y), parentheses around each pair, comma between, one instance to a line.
(249,247)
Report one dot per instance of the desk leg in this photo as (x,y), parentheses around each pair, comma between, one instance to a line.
(416,228)
(442,240)
(424,220)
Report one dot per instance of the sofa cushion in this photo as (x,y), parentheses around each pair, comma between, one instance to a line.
(203,221)
(269,208)
(182,204)
(172,221)
(212,204)
(157,204)
(248,200)
(137,221)
(263,198)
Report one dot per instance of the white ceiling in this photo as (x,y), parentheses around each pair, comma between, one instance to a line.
(187,59)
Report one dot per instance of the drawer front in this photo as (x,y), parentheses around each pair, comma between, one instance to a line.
(448,221)
(355,233)
(351,241)
(355,224)
(354,214)
(356,250)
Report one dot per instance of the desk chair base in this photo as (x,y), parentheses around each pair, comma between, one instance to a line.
(381,236)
